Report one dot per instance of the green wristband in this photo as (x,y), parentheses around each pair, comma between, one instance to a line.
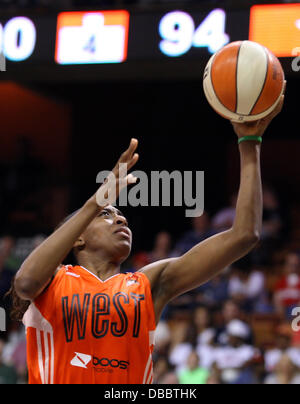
(253,138)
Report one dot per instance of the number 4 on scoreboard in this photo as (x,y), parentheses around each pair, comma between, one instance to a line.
(91,45)
(179,33)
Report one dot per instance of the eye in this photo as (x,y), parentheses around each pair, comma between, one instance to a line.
(104,213)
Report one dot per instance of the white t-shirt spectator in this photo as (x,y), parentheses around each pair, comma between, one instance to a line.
(179,354)
(253,287)
(229,360)
(273,356)
(230,357)
(205,337)
(206,355)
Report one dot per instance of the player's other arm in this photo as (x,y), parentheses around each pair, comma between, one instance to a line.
(38,269)
(212,255)
(209,257)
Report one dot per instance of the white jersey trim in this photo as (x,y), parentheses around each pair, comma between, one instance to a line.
(33,318)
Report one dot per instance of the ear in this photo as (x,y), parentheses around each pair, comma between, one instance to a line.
(79,243)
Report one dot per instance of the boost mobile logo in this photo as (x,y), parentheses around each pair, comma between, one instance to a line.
(2,319)
(114,363)
(81,360)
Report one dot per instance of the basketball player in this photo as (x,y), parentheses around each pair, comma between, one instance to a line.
(90,323)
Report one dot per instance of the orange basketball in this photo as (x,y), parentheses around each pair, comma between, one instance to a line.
(243,81)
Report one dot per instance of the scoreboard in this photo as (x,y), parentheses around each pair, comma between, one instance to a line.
(102,37)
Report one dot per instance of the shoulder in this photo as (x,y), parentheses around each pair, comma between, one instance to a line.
(60,272)
(155,270)
(55,280)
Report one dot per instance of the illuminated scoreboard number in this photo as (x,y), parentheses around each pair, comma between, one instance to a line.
(17,39)
(179,33)
(92,37)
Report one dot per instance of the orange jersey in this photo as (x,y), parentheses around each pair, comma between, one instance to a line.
(82,330)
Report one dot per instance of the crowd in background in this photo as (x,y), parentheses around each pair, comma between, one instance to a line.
(235,329)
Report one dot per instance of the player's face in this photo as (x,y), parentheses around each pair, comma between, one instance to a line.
(109,234)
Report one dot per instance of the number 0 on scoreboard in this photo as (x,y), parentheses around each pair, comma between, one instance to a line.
(92,37)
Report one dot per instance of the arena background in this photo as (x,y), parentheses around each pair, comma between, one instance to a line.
(61,125)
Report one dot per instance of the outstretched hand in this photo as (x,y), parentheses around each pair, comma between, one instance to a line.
(118,178)
(257,128)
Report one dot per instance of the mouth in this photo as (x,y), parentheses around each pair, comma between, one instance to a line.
(123,231)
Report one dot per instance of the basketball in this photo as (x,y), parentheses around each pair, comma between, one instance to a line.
(243,81)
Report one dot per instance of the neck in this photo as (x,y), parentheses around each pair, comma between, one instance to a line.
(102,269)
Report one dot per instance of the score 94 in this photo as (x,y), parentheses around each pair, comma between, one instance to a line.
(179,33)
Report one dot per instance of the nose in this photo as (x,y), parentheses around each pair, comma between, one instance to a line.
(121,221)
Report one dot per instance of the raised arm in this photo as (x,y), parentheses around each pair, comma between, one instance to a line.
(170,278)
(37,270)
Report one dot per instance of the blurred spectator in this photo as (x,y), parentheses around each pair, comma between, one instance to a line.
(206,353)
(138,261)
(183,342)
(202,321)
(181,306)
(160,369)
(230,311)
(162,337)
(201,229)
(163,372)
(12,253)
(15,337)
(186,302)
(285,372)
(283,346)
(205,337)
(162,247)
(272,220)
(18,360)
(287,289)
(224,219)
(271,229)
(170,378)
(8,374)
(247,287)
(194,373)
(215,376)
(161,250)
(234,359)
(214,292)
